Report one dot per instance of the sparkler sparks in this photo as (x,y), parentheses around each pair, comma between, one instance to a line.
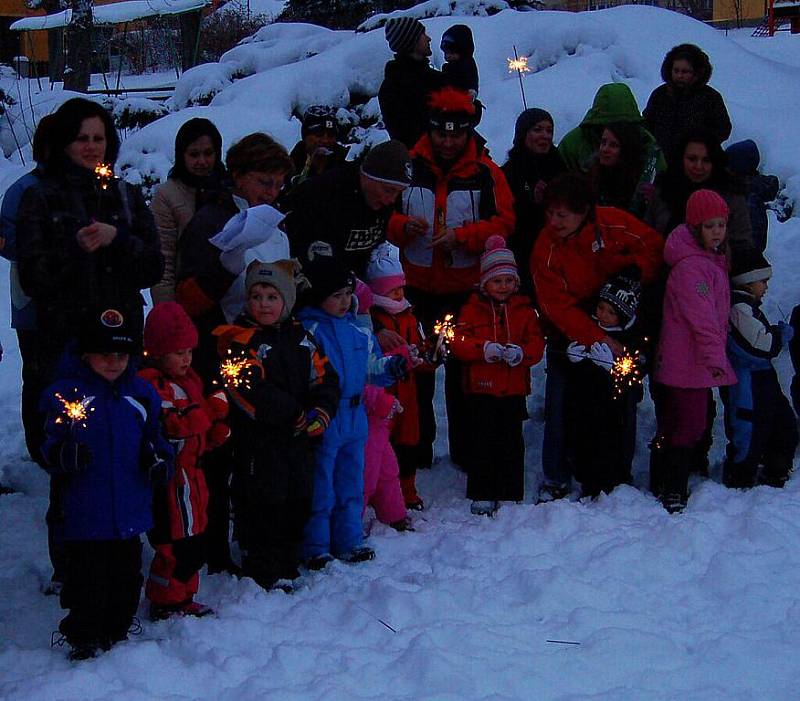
(235,371)
(445,331)
(519,64)
(626,372)
(104,173)
(76,412)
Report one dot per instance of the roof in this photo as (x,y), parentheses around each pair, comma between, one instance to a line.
(115,13)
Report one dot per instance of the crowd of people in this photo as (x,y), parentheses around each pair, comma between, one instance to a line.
(303,302)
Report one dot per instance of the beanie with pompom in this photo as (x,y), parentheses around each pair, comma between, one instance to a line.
(497,260)
(704,205)
(168,329)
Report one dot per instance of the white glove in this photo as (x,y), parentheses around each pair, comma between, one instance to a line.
(493,352)
(576,352)
(513,354)
(602,356)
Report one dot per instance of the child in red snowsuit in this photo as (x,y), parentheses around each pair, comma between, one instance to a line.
(391,310)
(498,338)
(194,424)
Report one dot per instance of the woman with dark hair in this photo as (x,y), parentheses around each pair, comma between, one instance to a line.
(685,101)
(624,168)
(581,247)
(258,167)
(84,239)
(698,163)
(532,162)
(198,170)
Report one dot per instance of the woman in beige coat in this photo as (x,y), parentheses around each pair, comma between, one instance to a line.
(198,170)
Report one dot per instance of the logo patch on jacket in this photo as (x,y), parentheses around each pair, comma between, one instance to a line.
(363,239)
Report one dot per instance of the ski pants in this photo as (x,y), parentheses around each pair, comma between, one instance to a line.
(381,475)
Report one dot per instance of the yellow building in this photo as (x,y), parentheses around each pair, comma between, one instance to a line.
(743,10)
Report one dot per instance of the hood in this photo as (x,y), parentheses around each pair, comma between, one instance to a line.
(613,103)
(70,366)
(694,55)
(743,157)
(404,69)
(681,245)
(459,37)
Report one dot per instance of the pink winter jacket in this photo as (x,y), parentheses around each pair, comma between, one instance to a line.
(697,304)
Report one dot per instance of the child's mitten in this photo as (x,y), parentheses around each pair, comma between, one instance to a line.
(318,421)
(513,354)
(602,356)
(576,352)
(493,352)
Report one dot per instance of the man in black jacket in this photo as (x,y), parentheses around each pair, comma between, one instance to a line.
(408,81)
(346,209)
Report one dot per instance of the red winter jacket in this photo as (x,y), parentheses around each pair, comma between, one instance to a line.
(472,197)
(569,272)
(405,430)
(482,319)
(194,425)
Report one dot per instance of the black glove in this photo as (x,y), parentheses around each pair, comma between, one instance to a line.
(69,457)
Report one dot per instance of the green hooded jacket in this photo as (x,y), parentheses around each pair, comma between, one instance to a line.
(613,103)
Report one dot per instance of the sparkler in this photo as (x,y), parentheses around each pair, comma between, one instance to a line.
(104,173)
(235,371)
(520,65)
(445,331)
(76,412)
(626,372)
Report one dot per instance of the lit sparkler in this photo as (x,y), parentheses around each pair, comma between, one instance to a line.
(445,331)
(520,65)
(76,412)
(626,372)
(104,173)
(235,371)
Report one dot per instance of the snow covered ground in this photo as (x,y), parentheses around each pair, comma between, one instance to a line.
(571,601)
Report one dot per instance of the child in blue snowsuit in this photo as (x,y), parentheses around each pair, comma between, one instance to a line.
(105,463)
(759,422)
(334,529)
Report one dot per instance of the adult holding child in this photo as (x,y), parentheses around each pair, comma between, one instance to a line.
(579,250)
(197,171)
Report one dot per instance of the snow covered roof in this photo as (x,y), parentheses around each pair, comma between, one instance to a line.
(115,13)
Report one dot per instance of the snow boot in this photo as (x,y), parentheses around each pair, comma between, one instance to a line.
(484,508)
(363,553)
(403,525)
(675,494)
(553,491)
(657,465)
(161,612)
(777,469)
(317,562)
(738,475)
(409,489)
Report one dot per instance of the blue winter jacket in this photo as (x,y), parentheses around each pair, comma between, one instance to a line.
(352,350)
(752,344)
(23,309)
(112,498)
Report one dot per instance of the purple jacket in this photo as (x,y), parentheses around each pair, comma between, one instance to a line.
(697,304)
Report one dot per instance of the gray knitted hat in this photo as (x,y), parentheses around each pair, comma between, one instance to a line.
(402,34)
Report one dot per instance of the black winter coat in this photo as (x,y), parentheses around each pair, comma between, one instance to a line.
(523,170)
(290,375)
(65,281)
(331,208)
(403,97)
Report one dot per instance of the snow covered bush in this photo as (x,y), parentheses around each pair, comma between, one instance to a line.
(222,31)
(439,8)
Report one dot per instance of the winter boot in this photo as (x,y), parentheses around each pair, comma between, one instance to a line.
(552,491)
(777,469)
(403,525)
(675,493)
(363,553)
(484,508)
(317,562)
(409,488)
(738,475)
(657,465)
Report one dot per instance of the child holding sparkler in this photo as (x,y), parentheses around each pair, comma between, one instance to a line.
(759,422)
(498,339)
(194,424)
(691,354)
(103,444)
(284,394)
(602,394)
(334,529)
(391,310)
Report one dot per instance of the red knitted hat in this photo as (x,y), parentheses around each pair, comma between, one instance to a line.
(168,329)
(704,205)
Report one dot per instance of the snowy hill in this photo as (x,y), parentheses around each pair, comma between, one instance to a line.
(573,601)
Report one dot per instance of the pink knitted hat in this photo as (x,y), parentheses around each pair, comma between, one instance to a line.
(168,329)
(704,205)
(497,260)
